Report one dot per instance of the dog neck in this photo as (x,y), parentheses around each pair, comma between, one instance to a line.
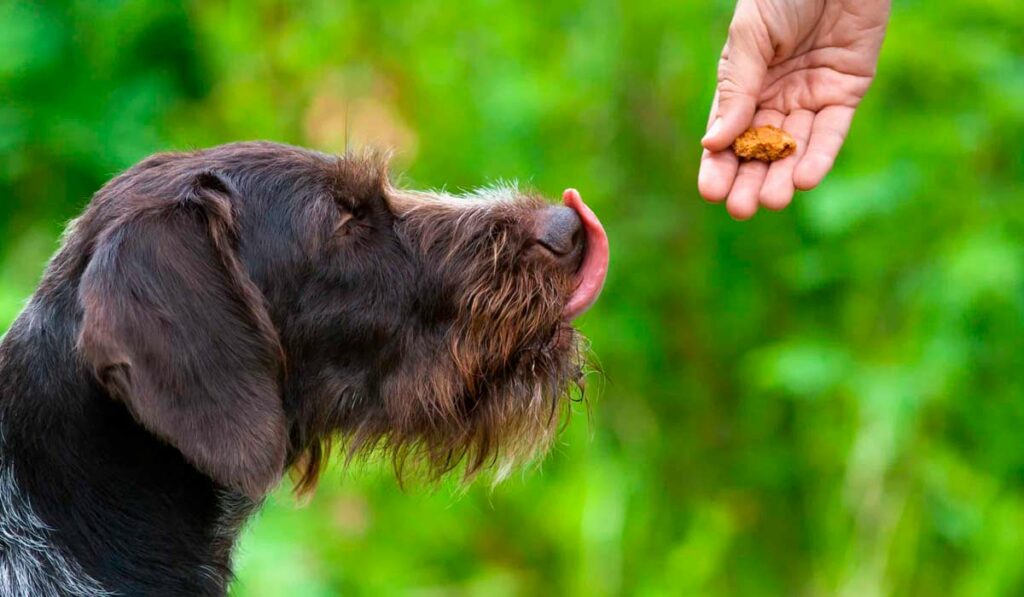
(91,503)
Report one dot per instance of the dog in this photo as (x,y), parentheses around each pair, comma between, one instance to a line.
(216,319)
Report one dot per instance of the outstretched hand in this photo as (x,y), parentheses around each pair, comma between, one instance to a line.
(802,65)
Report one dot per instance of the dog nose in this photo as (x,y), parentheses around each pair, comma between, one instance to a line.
(560,231)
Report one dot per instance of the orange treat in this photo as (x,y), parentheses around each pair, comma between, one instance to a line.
(764,143)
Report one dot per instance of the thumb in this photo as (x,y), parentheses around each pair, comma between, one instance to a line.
(741,73)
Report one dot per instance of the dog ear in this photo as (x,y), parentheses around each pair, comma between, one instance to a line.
(173,326)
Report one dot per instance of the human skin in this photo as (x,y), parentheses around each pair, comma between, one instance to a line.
(803,66)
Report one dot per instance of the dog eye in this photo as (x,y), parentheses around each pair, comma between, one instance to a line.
(350,214)
(346,217)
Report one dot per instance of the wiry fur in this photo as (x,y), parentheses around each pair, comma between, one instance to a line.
(218,317)
(492,387)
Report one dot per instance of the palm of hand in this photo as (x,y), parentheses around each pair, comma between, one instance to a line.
(801,65)
(831,62)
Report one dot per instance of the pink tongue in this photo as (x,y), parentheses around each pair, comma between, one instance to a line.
(590,278)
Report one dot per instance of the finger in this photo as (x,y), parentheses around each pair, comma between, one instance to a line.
(741,72)
(742,201)
(777,191)
(827,136)
(718,169)
(717,172)
(743,198)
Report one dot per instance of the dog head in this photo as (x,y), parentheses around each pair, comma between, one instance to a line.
(253,302)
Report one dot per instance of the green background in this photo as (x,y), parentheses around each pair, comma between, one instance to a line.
(828,400)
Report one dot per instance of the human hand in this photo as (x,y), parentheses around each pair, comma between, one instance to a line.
(802,65)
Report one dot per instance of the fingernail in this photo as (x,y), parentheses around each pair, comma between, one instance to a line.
(715,126)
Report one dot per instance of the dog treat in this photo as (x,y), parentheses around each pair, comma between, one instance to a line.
(764,143)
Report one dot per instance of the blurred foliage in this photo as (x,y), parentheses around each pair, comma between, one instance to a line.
(823,401)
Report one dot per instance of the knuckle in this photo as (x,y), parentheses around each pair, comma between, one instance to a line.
(729,78)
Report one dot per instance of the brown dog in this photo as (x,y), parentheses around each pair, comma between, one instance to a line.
(216,318)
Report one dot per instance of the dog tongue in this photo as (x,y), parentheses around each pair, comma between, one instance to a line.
(590,278)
